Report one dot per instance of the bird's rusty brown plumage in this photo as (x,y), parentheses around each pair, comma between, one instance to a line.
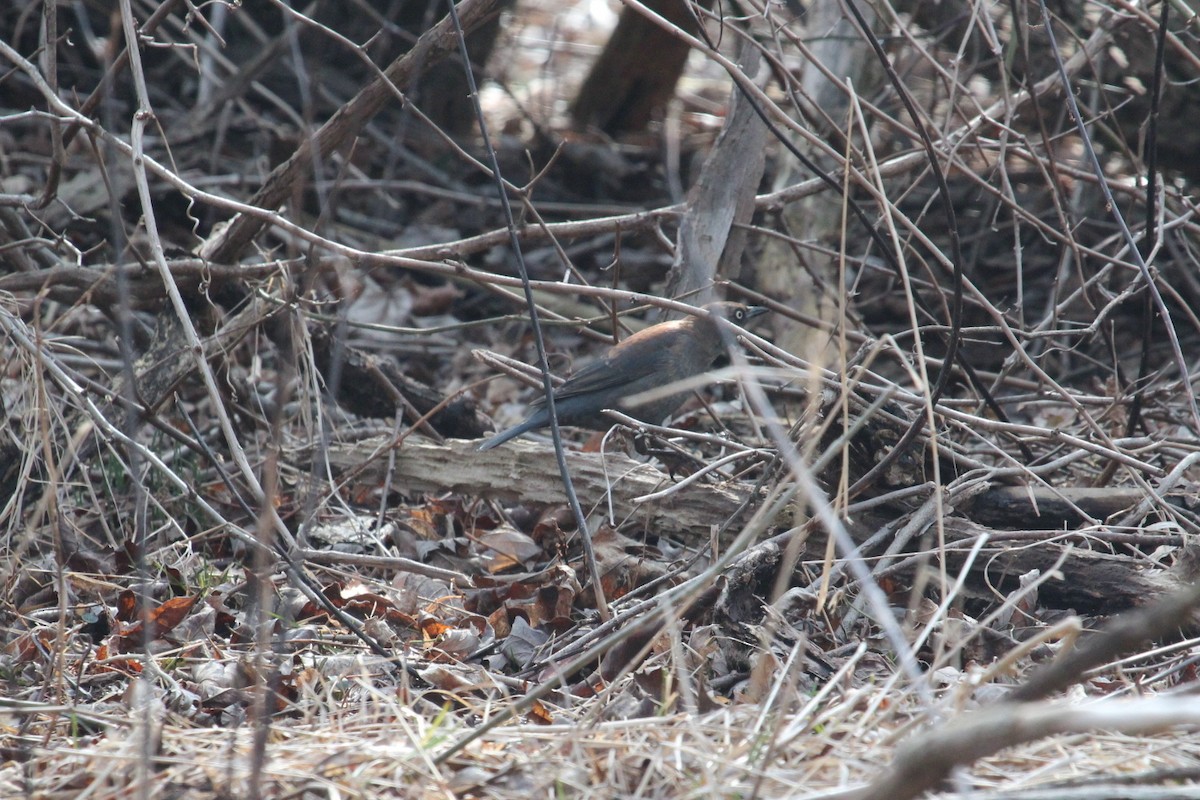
(658,356)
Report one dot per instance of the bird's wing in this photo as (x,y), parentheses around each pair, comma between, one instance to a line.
(649,356)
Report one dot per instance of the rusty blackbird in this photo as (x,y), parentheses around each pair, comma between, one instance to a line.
(650,359)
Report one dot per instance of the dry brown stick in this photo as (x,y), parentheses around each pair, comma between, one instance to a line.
(925,762)
(709,240)
(1126,632)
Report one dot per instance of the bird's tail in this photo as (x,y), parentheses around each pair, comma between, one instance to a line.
(511,433)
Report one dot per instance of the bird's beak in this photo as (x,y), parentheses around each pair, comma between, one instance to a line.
(755,311)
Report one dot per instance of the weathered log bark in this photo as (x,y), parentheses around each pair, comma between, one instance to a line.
(525,472)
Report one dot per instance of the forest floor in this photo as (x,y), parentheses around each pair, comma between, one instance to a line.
(250,548)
